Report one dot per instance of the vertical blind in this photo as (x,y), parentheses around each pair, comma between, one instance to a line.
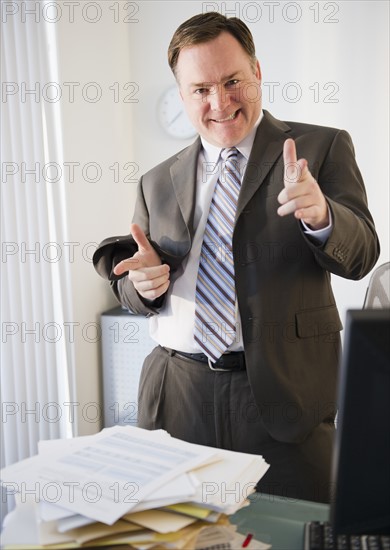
(36,354)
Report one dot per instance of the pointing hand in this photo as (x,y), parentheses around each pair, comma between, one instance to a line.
(301,194)
(149,276)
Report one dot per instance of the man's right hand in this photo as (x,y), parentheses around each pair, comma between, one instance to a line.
(149,276)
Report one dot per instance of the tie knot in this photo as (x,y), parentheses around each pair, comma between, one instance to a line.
(229,153)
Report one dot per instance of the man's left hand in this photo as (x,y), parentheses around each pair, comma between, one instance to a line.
(301,194)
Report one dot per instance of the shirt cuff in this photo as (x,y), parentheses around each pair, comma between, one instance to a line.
(321,235)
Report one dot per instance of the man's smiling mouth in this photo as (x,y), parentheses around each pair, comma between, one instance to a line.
(230,117)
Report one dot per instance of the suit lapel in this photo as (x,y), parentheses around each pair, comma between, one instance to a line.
(183,175)
(267,148)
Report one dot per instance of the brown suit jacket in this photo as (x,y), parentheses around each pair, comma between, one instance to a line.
(289,318)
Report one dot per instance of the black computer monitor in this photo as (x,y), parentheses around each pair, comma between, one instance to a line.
(361,459)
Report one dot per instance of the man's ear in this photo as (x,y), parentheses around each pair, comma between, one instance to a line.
(258,70)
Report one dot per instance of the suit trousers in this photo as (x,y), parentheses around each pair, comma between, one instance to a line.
(196,404)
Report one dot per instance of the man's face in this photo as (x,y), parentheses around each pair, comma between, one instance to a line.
(220,89)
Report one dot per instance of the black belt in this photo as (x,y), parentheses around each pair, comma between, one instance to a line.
(234,360)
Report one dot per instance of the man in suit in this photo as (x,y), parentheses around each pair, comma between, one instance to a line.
(272,391)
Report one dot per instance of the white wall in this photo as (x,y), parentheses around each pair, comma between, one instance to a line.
(341,46)
(97,135)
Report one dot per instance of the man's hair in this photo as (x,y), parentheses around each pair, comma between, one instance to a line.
(205,27)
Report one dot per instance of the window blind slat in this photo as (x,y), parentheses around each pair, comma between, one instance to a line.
(36,367)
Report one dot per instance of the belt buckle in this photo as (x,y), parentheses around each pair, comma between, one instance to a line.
(214,368)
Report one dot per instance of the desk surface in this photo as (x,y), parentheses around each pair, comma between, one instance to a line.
(278,521)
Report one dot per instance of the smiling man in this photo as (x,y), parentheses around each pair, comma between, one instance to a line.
(230,253)
(222,97)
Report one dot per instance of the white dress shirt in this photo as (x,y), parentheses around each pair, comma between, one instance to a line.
(173,327)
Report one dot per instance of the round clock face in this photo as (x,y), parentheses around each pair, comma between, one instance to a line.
(173,117)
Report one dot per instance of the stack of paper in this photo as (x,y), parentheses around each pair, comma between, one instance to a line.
(131,486)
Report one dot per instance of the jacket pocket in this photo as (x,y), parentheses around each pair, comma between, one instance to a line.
(317,321)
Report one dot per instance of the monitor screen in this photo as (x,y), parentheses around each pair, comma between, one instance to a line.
(361,459)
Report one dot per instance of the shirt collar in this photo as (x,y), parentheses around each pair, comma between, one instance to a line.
(212,152)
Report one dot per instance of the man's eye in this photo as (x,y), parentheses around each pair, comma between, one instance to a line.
(232,83)
(200,91)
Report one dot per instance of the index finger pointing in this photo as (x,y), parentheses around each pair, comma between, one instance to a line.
(126,265)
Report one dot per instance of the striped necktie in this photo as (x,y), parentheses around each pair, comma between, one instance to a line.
(215,296)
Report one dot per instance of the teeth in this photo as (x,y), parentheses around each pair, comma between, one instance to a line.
(233,115)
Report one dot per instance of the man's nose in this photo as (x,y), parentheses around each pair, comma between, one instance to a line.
(219,98)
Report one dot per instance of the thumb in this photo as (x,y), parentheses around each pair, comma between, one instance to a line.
(294,170)
(140,238)
(289,152)
(291,166)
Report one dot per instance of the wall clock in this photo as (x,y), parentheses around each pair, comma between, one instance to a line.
(172,115)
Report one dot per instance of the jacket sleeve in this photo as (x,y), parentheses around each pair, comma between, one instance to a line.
(352,248)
